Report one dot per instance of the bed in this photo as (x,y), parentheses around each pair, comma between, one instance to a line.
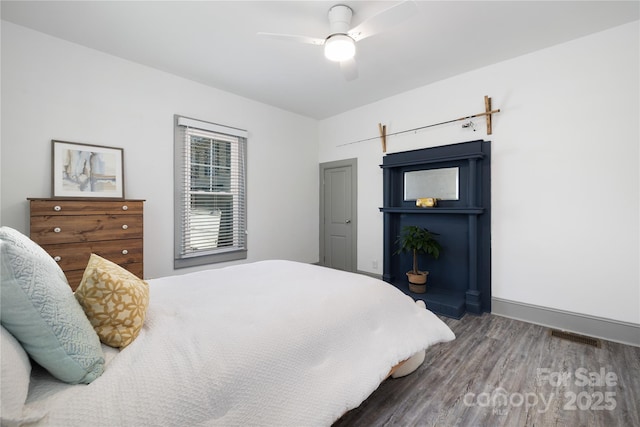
(269,343)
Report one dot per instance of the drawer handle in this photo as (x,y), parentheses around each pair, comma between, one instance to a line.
(57,258)
(125,207)
(57,208)
(125,226)
(124,252)
(57,230)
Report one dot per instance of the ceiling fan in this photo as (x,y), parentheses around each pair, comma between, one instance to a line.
(340,44)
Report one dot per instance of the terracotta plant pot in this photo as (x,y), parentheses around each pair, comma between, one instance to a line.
(417,282)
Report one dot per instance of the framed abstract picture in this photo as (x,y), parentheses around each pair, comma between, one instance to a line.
(83,170)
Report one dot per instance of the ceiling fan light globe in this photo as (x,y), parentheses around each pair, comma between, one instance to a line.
(339,47)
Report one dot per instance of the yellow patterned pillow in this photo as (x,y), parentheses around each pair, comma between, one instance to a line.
(114,300)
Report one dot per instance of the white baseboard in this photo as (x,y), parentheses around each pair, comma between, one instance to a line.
(597,327)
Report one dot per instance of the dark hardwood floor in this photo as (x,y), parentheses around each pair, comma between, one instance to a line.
(503,372)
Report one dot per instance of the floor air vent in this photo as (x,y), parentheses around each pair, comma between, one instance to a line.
(570,336)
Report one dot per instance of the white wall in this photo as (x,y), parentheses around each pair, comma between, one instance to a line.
(565,160)
(52,89)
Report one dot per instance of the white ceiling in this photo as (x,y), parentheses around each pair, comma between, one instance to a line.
(215,42)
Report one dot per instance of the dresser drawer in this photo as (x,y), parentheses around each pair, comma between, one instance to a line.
(83,207)
(75,256)
(69,229)
(74,277)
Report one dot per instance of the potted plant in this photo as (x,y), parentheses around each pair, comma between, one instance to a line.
(418,240)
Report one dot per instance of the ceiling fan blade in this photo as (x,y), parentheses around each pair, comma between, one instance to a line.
(349,69)
(383,20)
(293,38)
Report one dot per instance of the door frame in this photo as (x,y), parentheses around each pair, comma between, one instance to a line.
(353,163)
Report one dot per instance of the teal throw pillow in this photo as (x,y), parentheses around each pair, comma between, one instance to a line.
(38,307)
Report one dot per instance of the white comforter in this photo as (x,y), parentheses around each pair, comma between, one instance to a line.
(272,343)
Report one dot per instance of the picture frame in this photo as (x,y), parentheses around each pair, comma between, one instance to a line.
(85,170)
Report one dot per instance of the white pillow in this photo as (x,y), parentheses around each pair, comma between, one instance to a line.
(14,378)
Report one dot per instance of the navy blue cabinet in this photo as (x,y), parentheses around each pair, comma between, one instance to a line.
(460,280)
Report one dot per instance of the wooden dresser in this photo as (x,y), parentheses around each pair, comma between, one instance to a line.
(70,230)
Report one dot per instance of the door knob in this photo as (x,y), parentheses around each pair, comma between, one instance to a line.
(348,221)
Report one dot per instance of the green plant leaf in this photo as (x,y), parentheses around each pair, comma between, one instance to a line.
(418,240)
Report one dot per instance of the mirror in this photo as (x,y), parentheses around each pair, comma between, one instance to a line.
(438,183)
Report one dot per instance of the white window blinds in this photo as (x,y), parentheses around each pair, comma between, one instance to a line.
(210,198)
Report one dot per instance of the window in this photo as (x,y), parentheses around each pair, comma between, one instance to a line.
(210,202)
